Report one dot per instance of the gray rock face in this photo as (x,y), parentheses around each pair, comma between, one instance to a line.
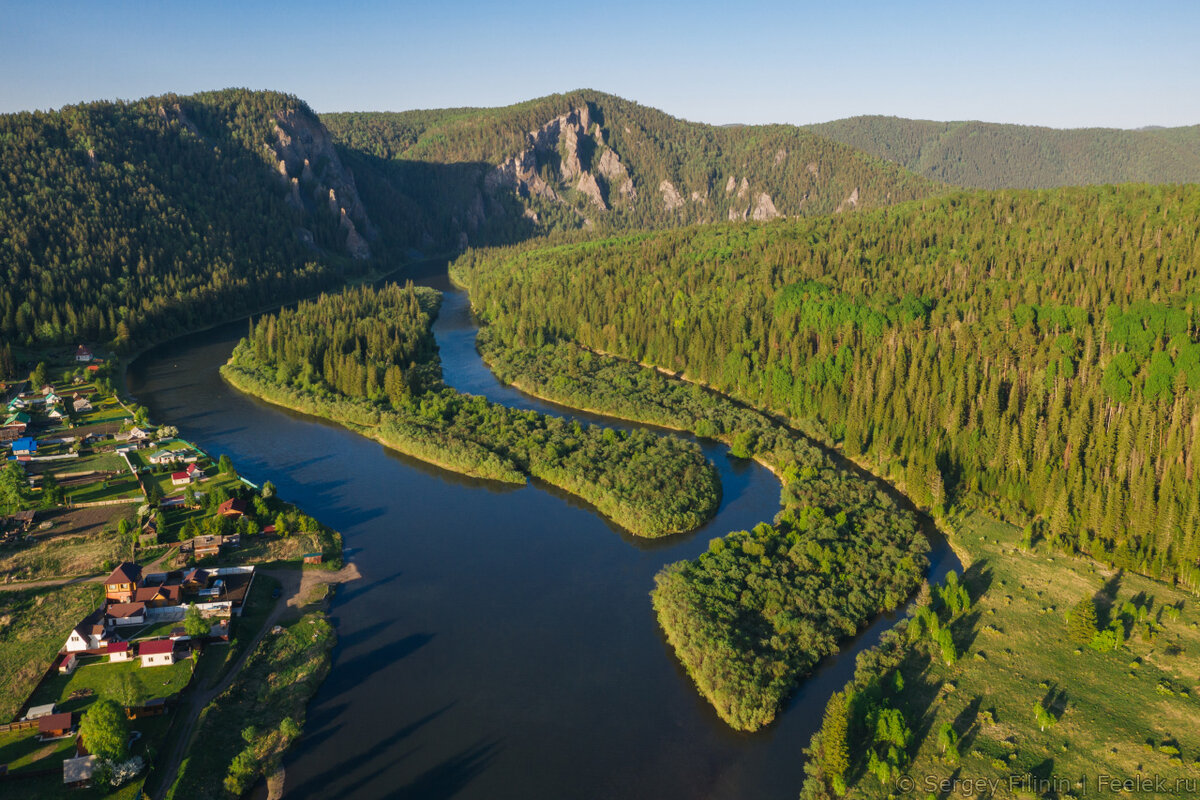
(851,202)
(300,142)
(572,140)
(671,196)
(764,208)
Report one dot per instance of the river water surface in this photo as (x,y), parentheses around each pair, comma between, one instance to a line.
(501,642)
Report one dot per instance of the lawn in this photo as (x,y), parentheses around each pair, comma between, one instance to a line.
(21,750)
(1121,713)
(103,679)
(121,487)
(34,623)
(105,410)
(93,462)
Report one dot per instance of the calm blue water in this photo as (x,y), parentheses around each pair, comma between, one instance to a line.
(501,643)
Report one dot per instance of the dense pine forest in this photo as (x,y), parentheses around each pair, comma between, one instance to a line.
(588,160)
(984,155)
(367,358)
(129,222)
(1031,353)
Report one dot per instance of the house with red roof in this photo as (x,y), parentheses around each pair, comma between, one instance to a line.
(236,507)
(120,651)
(157,652)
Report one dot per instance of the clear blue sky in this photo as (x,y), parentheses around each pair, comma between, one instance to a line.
(1048,63)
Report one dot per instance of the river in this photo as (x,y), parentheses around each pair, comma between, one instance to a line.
(501,642)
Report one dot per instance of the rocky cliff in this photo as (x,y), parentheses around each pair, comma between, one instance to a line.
(309,165)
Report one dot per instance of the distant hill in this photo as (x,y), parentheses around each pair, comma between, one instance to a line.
(986,155)
(591,160)
(128,222)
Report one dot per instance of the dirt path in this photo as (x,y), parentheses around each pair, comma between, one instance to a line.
(295,586)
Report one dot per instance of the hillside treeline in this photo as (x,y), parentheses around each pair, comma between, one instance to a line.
(1034,353)
(986,155)
(132,221)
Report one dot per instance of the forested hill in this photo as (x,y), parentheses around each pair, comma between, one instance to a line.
(130,221)
(591,160)
(1036,353)
(986,155)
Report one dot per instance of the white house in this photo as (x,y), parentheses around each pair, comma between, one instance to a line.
(82,354)
(157,652)
(88,634)
(120,651)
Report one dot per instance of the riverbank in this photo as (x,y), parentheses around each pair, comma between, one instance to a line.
(650,485)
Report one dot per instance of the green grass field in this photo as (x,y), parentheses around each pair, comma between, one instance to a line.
(34,623)
(1122,713)
(121,487)
(21,750)
(94,462)
(104,678)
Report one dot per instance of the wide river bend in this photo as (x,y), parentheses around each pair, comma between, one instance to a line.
(501,642)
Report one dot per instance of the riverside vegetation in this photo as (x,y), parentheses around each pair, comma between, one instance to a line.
(753,615)
(367,358)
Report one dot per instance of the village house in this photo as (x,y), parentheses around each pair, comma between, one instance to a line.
(122,583)
(139,434)
(55,412)
(194,472)
(235,507)
(157,652)
(180,479)
(119,614)
(47,389)
(159,595)
(82,354)
(120,651)
(89,634)
(56,726)
(159,457)
(81,404)
(149,534)
(26,446)
(205,546)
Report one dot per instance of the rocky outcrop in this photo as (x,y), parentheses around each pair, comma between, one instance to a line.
(730,185)
(850,202)
(764,208)
(590,188)
(575,147)
(743,189)
(302,142)
(670,194)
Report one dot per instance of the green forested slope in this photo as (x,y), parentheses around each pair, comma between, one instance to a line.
(987,155)
(713,172)
(131,221)
(1036,353)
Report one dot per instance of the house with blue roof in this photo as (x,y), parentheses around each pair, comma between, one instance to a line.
(24,447)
